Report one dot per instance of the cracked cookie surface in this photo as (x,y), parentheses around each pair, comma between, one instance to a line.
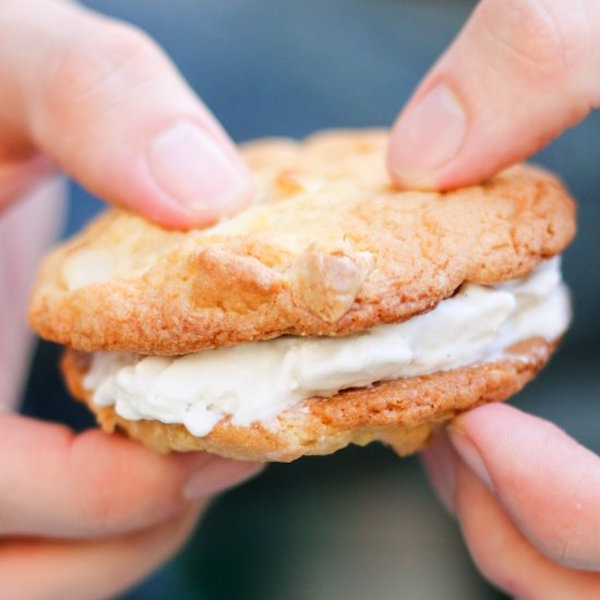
(329,247)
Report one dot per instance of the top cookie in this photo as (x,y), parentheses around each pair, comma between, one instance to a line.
(329,247)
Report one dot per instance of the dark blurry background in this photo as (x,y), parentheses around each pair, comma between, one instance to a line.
(361,523)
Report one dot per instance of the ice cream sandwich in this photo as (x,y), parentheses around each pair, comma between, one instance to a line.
(335,309)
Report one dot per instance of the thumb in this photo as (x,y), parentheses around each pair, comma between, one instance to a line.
(547,483)
(518,74)
(102,99)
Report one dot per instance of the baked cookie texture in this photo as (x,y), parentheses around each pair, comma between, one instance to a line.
(401,413)
(328,248)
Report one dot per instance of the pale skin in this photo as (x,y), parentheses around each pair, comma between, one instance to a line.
(99,100)
(526,495)
(99,512)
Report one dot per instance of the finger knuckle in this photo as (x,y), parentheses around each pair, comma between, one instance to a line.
(569,542)
(538,35)
(92,65)
(559,524)
(93,499)
(99,508)
(98,500)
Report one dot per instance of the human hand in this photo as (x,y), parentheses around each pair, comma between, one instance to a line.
(102,101)
(526,495)
(86,516)
(518,74)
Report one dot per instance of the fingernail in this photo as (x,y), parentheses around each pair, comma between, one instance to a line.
(427,137)
(469,454)
(191,168)
(438,459)
(217,475)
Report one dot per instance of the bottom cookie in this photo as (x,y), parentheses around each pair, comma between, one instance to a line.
(402,413)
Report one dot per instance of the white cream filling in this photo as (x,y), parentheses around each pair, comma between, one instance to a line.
(256,381)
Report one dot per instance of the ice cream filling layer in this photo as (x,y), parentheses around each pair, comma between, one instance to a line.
(254,382)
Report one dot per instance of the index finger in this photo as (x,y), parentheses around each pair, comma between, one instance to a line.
(104,101)
(548,484)
(59,484)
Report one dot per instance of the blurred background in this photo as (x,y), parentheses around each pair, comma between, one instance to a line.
(361,523)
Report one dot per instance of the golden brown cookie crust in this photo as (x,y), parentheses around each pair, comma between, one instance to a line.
(330,248)
(402,413)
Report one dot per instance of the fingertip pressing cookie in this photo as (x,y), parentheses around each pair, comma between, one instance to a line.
(335,310)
